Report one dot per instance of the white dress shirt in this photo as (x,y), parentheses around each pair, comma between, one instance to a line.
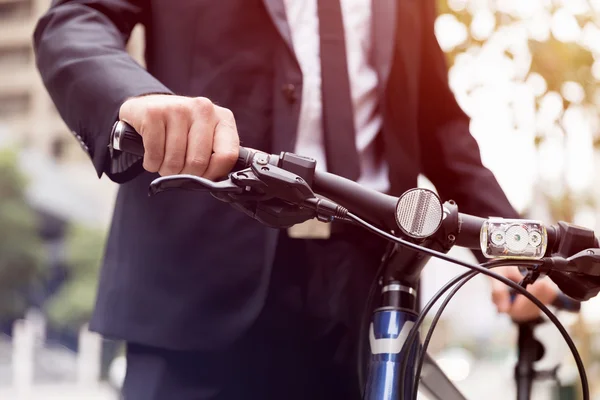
(304,25)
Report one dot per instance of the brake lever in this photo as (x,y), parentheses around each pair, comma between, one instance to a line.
(275,213)
(192,182)
(275,197)
(579,275)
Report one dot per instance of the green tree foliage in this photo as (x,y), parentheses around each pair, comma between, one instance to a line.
(72,305)
(20,247)
(557,62)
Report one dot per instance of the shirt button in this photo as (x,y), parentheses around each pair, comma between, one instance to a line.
(289,91)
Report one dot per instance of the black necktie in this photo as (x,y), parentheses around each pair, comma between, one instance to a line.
(338,115)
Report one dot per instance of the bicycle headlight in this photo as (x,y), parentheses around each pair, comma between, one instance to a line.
(513,238)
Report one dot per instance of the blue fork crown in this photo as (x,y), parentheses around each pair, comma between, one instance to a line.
(387,335)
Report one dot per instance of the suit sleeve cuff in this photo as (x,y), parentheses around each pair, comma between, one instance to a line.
(121,167)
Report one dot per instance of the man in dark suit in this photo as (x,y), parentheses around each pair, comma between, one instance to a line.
(212,304)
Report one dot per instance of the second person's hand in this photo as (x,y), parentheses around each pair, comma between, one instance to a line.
(521,309)
(183,135)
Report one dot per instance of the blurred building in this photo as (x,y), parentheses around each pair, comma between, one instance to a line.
(25,106)
(29,119)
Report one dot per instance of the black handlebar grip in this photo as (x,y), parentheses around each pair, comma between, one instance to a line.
(245,157)
(126,139)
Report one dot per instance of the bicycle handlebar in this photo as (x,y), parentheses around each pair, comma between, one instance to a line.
(374,206)
(578,275)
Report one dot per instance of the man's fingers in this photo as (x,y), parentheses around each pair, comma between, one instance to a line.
(178,125)
(150,124)
(200,138)
(225,146)
(199,148)
(183,134)
(153,136)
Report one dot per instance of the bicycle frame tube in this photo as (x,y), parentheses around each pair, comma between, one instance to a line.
(390,325)
(387,335)
(436,384)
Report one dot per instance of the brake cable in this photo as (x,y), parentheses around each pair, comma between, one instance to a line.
(464,278)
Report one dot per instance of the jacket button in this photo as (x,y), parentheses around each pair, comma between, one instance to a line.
(289,91)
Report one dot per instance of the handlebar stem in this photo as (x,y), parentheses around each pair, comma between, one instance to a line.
(406,265)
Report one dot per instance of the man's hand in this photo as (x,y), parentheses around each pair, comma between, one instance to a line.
(183,135)
(521,309)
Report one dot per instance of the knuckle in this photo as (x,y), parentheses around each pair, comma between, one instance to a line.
(203,107)
(125,110)
(152,133)
(179,110)
(229,124)
(150,166)
(153,113)
(152,160)
(172,165)
(132,103)
(146,133)
(230,156)
(228,115)
(153,155)
(197,163)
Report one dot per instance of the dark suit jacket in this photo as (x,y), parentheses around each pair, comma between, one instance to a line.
(183,270)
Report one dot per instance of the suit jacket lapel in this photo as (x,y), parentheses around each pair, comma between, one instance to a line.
(276,9)
(395,20)
(384,37)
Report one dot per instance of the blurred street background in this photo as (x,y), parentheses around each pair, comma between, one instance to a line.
(526,71)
